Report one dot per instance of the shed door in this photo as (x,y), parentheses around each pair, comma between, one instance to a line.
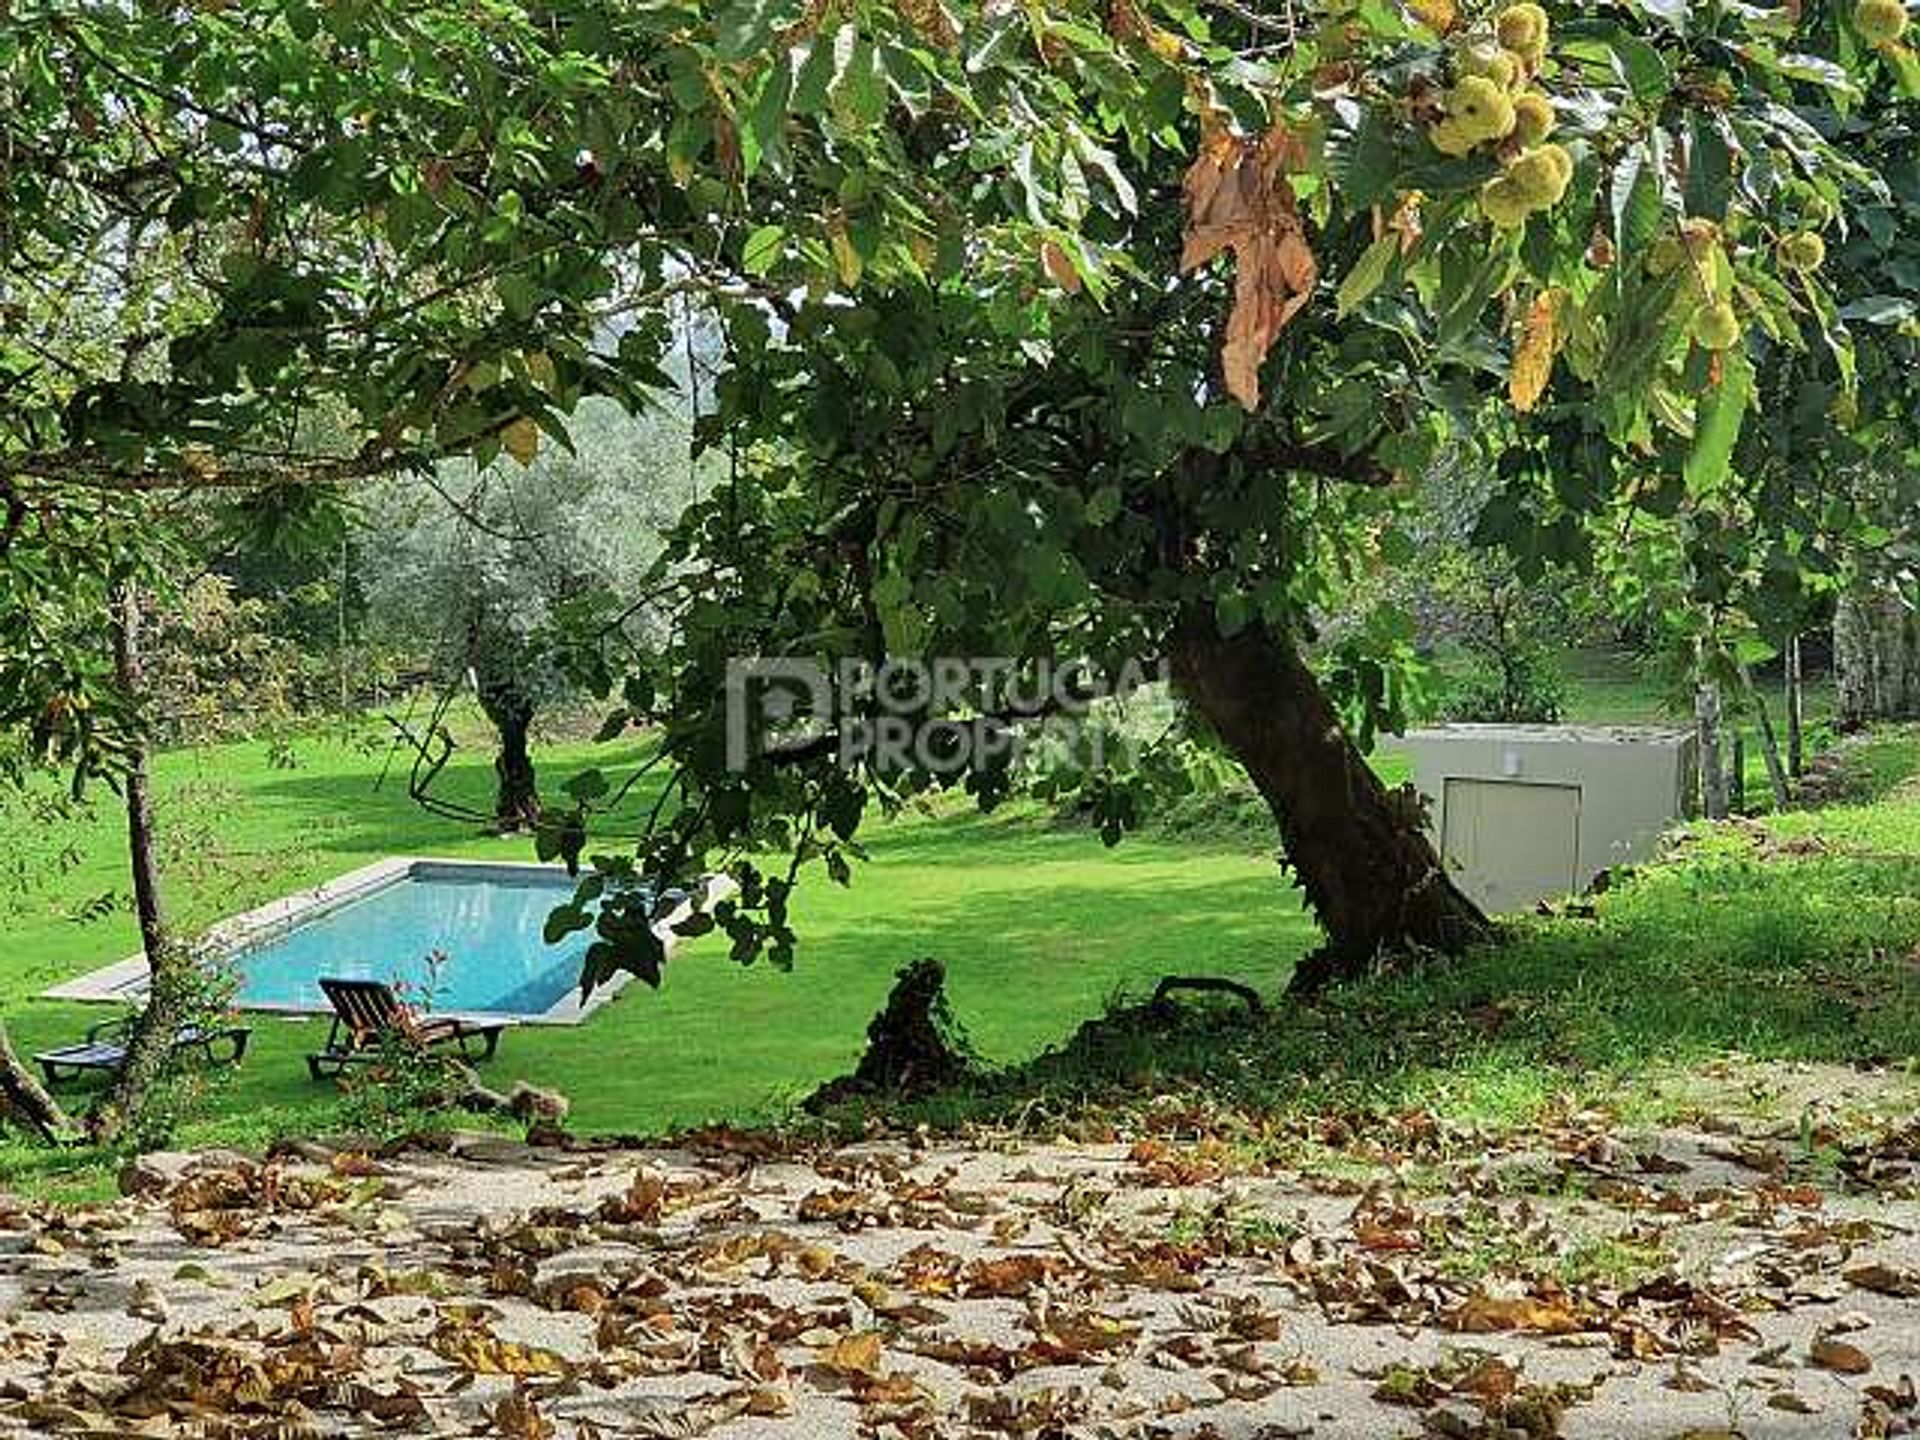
(1509,844)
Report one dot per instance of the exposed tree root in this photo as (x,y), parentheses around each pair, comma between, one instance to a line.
(1211,984)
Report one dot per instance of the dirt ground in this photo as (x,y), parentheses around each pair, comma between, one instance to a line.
(1752,1277)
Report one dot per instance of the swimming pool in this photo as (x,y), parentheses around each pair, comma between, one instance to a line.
(457,941)
(480,921)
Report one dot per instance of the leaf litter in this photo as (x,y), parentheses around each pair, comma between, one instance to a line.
(1574,1280)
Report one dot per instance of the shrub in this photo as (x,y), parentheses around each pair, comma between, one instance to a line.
(1521,685)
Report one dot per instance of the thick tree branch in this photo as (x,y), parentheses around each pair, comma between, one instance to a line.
(1325,461)
(82,466)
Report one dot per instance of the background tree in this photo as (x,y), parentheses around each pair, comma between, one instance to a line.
(474,577)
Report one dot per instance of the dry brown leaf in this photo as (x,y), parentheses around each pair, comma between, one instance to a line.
(845,1207)
(1074,1336)
(1838,1356)
(1238,198)
(1010,1277)
(644,1202)
(1060,267)
(1405,221)
(1489,1378)
(1540,338)
(1894,1280)
(1376,1235)
(769,1403)
(1488,1314)
(515,1418)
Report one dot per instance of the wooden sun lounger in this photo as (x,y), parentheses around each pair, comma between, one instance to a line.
(105,1048)
(367,1012)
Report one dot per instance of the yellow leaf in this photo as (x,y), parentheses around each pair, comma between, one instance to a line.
(1539,342)
(487,1354)
(1439,16)
(1487,1314)
(521,440)
(855,1354)
(846,255)
(1127,21)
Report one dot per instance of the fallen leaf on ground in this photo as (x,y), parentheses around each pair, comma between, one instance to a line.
(1838,1356)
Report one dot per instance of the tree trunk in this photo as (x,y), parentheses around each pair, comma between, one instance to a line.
(1713,770)
(516,801)
(23,1099)
(1769,744)
(1876,656)
(1360,853)
(170,967)
(1796,710)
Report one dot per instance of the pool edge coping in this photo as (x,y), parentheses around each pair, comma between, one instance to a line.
(124,981)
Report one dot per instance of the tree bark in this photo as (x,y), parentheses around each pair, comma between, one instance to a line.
(1359,852)
(1876,656)
(1796,710)
(1713,771)
(516,801)
(24,1099)
(170,967)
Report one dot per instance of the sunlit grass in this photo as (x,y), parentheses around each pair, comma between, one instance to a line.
(1802,953)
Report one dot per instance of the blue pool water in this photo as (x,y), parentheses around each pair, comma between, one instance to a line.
(488,928)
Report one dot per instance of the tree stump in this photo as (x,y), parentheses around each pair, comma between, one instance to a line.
(914,1045)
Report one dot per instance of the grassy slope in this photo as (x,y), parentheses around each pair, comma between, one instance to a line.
(1793,940)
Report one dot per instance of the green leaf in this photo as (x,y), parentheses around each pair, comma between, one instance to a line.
(762,250)
(764,137)
(1635,198)
(859,90)
(744,27)
(1105,163)
(1640,65)
(1709,167)
(816,77)
(1103,506)
(1716,425)
(1673,12)
(1231,612)
(1879,309)
(1819,72)
(562,921)
(1367,274)
(587,785)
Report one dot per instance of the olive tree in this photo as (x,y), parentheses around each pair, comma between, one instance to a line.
(476,571)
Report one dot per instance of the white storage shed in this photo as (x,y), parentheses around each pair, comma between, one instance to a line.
(1522,813)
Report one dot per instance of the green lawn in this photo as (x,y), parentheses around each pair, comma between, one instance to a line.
(1040,926)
